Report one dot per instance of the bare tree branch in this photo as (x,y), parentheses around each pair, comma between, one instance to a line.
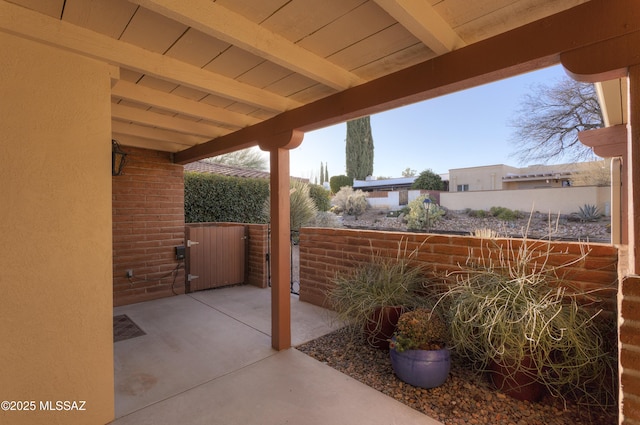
(548,121)
(252,158)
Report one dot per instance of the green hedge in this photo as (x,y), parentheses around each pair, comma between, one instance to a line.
(338,182)
(320,196)
(211,197)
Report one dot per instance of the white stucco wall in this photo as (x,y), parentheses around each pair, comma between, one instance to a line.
(548,200)
(392,200)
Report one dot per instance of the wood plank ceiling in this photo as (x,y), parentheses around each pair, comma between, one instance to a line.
(186,72)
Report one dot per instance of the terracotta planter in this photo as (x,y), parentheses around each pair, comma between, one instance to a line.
(422,368)
(381,325)
(519,384)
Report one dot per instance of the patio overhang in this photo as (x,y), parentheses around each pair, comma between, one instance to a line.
(202,78)
(533,46)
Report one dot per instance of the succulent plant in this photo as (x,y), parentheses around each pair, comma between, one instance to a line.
(420,329)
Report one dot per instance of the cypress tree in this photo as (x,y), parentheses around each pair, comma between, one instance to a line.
(359,148)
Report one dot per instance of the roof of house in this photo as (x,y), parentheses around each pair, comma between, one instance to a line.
(203,166)
(225,170)
(385,184)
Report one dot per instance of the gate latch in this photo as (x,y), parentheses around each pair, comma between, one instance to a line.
(190,277)
(191,243)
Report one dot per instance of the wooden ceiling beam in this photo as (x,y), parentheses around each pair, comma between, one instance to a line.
(36,26)
(141,116)
(421,20)
(527,48)
(605,60)
(180,140)
(126,140)
(178,104)
(223,24)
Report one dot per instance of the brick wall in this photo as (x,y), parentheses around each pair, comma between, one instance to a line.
(258,249)
(148,222)
(323,252)
(630,349)
(257,269)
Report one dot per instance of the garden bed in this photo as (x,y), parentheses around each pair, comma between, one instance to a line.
(465,398)
(534,226)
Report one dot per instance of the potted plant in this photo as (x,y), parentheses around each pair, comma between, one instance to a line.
(371,296)
(512,315)
(418,351)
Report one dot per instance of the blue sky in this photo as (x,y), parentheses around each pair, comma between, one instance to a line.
(464,129)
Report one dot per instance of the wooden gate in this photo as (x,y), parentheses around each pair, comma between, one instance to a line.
(216,256)
(403,197)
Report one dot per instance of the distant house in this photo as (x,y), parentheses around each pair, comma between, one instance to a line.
(385,185)
(561,188)
(484,186)
(506,177)
(390,194)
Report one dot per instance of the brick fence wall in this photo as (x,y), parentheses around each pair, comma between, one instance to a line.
(148,222)
(324,252)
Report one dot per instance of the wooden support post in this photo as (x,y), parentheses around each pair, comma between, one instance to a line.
(633,168)
(278,148)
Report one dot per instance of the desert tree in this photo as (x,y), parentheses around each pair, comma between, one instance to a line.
(428,180)
(408,172)
(359,148)
(549,118)
(252,158)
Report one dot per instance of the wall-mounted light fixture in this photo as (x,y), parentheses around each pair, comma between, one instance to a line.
(118,158)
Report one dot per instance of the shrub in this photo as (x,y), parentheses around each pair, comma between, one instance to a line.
(320,196)
(477,213)
(351,202)
(325,219)
(421,217)
(302,208)
(503,213)
(338,182)
(428,180)
(405,210)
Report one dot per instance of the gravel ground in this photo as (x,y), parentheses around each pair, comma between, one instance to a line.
(537,226)
(465,398)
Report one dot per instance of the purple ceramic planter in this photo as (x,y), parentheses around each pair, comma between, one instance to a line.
(422,368)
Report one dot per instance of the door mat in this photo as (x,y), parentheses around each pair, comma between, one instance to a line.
(125,328)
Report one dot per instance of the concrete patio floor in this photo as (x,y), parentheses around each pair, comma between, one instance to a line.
(206,358)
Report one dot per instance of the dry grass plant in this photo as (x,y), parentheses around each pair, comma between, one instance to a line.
(380,282)
(508,303)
